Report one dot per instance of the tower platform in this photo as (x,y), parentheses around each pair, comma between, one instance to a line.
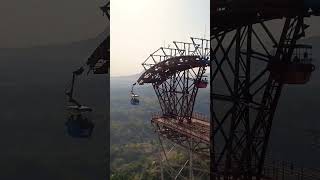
(198,129)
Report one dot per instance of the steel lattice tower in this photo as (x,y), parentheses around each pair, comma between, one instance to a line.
(249,67)
(176,74)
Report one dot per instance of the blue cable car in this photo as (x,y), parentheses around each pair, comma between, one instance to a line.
(78,124)
(135,99)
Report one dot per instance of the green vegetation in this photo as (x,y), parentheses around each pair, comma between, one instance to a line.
(134,152)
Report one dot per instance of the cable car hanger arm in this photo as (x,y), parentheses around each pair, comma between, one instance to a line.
(70,92)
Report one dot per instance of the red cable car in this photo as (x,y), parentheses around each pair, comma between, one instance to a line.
(297,71)
(201,83)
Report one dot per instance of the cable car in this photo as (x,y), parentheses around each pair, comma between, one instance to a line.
(135,99)
(296,71)
(78,124)
(201,83)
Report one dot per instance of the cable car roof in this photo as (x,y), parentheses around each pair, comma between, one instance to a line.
(79,108)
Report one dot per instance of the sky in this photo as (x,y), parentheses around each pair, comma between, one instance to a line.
(42,22)
(140,27)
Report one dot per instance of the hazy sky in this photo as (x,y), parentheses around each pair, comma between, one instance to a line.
(26,23)
(140,27)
